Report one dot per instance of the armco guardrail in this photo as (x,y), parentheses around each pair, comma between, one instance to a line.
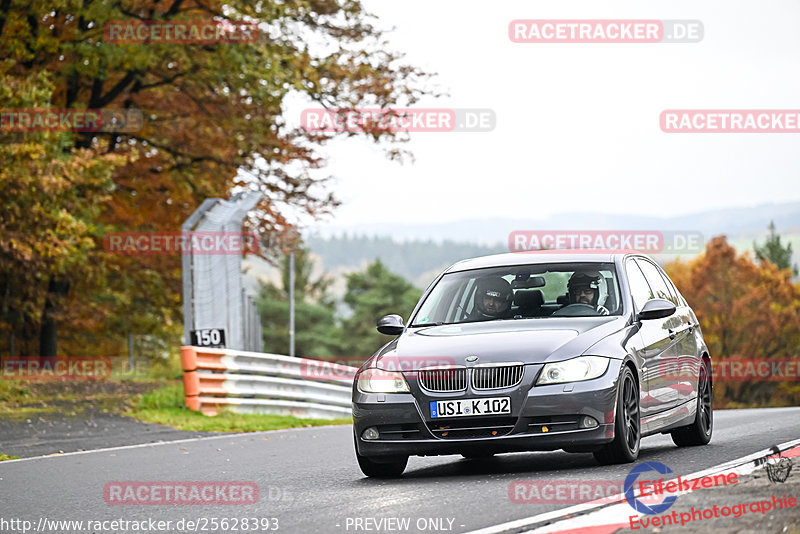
(252,382)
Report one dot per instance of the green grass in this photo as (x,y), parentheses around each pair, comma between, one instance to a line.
(165,406)
(4,457)
(13,391)
(21,413)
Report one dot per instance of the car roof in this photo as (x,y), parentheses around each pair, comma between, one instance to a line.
(533,257)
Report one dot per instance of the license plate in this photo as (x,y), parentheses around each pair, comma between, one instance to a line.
(467,407)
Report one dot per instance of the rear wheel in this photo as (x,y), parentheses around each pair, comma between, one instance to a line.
(699,432)
(627,424)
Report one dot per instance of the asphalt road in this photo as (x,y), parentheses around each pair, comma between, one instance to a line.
(309,480)
(51,433)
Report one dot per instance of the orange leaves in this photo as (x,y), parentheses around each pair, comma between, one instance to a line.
(745,310)
(750,311)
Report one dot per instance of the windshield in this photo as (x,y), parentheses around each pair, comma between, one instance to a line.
(522,291)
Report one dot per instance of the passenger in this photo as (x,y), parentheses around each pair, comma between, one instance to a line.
(492,299)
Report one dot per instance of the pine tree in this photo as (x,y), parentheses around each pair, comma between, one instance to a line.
(773,251)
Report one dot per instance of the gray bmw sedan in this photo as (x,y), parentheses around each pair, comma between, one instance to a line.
(584,352)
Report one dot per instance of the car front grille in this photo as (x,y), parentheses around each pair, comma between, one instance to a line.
(443,379)
(496,376)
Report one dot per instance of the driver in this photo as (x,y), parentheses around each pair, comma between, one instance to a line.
(493,299)
(585,287)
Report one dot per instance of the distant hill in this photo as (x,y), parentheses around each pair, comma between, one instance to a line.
(731,221)
(417,261)
(420,251)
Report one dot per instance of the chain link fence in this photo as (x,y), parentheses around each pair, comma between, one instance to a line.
(217,311)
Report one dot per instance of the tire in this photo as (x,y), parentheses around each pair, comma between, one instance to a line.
(699,432)
(477,455)
(385,467)
(627,424)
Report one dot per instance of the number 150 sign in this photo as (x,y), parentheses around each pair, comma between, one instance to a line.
(209,337)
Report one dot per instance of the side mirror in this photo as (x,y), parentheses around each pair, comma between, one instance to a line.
(656,309)
(391,325)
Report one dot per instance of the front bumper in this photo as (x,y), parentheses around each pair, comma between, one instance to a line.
(542,418)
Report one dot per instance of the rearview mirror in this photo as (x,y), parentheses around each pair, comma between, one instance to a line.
(656,309)
(525,281)
(391,325)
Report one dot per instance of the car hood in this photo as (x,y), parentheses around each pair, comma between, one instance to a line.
(522,340)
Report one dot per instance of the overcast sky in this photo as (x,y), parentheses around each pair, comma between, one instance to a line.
(578,124)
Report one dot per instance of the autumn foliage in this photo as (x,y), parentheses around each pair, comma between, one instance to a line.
(213,123)
(747,310)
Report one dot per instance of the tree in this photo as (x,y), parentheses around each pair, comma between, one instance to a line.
(773,251)
(316,334)
(745,310)
(210,111)
(52,196)
(371,294)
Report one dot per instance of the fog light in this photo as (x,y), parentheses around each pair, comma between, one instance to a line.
(588,422)
(372,433)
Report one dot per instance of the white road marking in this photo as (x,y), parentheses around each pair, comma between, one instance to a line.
(159,443)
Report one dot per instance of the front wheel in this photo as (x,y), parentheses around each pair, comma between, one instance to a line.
(699,432)
(384,467)
(389,468)
(627,424)
(477,455)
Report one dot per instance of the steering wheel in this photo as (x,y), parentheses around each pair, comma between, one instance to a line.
(575,310)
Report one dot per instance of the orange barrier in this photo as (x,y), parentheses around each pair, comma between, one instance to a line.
(250,382)
(192,359)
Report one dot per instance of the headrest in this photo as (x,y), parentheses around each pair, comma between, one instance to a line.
(528,298)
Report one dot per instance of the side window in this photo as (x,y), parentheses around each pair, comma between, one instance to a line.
(680,299)
(656,281)
(640,290)
(676,300)
(612,302)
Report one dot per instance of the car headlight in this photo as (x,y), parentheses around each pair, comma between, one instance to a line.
(380,381)
(574,370)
